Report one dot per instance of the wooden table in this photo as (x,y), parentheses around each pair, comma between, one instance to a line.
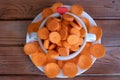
(15,15)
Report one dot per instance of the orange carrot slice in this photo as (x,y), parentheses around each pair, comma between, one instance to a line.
(72,39)
(43,33)
(46,12)
(74,48)
(46,44)
(82,32)
(52,53)
(97,50)
(75,31)
(39,59)
(65,44)
(77,10)
(86,22)
(97,31)
(79,24)
(52,70)
(56,5)
(54,37)
(70,69)
(84,61)
(80,42)
(67,17)
(75,25)
(63,34)
(63,51)
(60,63)
(52,46)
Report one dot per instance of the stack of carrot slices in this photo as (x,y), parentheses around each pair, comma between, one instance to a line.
(61,37)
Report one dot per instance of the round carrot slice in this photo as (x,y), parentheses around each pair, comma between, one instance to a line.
(59,44)
(75,31)
(52,53)
(75,25)
(43,33)
(31,48)
(70,69)
(85,61)
(63,34)
(53,25)
(67,17)
(54,37)
(80,42)
(64,26)
(82,32)
(63,51)
(72,39)
(46,44)
(39,59)
(97,31)
(52,70)
(65,44)
(86,22)
(79,24)
(74,48)
(77,10)
(56,5)
(46,12)
(60,63)
(97,50)
(52,46)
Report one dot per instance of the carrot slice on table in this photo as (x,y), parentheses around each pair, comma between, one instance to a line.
(86,22)
(67,17)
(85,61)
(46,12)
(72,39)
(75,31)
(70,69)
(46,44)
(63,51)
(31,48)
(52,46)
(82,32)
(53,54)
(54,37)
(52,70)
(43,33)
(75,25)
(97,31)
(60,63)
(39,59)
(53,25)
(56,5)
(76,9)
(97,50)
(63,34)
(65,44)
(74,48)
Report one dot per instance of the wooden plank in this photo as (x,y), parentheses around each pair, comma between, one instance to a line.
(28,9)
(14,32)
(14,61)
(45,78)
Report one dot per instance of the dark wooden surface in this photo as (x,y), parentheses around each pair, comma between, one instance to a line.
(15,15)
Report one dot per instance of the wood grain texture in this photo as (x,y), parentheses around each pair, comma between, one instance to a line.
(45,78)
(13,61)
(14,32)
(28,9)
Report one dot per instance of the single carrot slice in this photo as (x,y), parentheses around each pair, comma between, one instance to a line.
(52,70)
(65,22)
(80,42)
(46,43)
(59,44)
(67,17)
(46,12)
(86,22)
(56,5)
(39,59)
(60,63)
(74,48)
(72,39)
(97,31)
(64,26)
(63,51)
(82,32)
(33,27)
(70,69)
(31,48)
(54,37)
(63,34)
(78,23)
(52,46)
(65,44)
(75,25)
(53,25)
(43,33)
(97,50)
(75,31)
(76,9)
(53,54)
(85,61)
